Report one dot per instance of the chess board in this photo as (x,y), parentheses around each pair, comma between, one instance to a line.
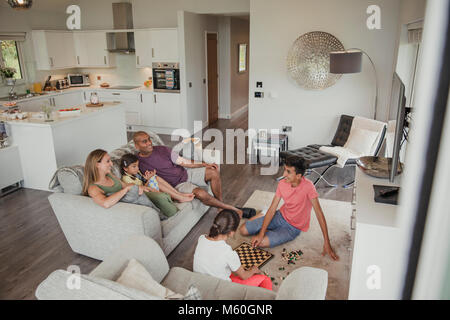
(250,256)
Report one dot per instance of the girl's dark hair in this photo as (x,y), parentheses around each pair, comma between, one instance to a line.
(126,160)
(225,222)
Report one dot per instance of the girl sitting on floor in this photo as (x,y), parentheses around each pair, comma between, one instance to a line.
(158,190)
(213,256)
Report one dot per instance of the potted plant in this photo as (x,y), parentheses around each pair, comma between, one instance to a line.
(8,74)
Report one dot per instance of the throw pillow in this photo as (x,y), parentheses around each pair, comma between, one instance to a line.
(360,141)
(137,277)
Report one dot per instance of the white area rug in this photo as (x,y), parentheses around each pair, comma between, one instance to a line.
(337,215)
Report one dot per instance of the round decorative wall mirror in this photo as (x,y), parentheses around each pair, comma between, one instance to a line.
(308,60)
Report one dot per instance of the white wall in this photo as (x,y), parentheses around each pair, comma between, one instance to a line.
(125,72)
(192,28)
(314,115)
(239,80)
(154,13)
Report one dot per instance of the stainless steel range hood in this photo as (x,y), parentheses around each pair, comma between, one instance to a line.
(122,41)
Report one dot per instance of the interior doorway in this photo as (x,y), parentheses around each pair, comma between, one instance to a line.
(212,77)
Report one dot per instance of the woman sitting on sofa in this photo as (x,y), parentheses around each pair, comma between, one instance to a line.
(105,188)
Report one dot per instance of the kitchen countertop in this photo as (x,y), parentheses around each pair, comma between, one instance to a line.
(37,118)
(139,89)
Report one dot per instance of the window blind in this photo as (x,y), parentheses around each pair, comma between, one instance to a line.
(15,36)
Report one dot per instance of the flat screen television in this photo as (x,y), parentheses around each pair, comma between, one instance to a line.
(397,111)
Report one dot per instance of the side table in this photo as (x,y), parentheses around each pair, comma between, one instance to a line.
(273,143)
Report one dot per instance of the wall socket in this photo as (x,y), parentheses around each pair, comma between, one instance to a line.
(286,128)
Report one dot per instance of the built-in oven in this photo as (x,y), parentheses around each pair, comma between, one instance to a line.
(166,77)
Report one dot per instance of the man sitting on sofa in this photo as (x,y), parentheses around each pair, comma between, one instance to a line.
(183,174)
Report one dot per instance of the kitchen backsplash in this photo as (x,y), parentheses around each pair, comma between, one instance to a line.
(125,72)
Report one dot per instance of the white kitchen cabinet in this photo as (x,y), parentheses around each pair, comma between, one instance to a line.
(375,253)
(11,168)
(164,45)
(53,49)
(35,104)
(68,100)
(148,109)
(167,112)
(143,45)
(91,50)
(130,100)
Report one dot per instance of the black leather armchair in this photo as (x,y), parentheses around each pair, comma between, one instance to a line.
(314,158)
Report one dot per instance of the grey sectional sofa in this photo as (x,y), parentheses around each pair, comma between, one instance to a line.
(95,231)
(303,284)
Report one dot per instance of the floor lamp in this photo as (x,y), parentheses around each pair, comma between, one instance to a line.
(349,61)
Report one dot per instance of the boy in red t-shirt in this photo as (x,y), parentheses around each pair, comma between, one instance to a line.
(280,226)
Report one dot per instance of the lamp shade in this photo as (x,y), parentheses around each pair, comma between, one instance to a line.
(345,61)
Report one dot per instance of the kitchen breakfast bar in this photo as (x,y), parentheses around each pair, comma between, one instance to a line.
(67,140)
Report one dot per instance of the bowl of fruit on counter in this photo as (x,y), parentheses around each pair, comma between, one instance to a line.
(69,112)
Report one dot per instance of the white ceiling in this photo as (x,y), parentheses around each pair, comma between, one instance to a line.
(44,5)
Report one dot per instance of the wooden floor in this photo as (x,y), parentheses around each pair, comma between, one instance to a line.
(32,244)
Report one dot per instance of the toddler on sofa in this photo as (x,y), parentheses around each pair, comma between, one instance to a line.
(161,192)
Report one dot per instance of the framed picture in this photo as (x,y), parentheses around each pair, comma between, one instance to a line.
(242,57)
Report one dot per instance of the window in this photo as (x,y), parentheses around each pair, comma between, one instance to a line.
(10,57)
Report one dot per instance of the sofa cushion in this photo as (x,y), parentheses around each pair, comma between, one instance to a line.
(212,288)
(70,182)
(55,287)
(136,276)
(361,141)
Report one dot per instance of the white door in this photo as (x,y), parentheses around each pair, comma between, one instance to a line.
(148,110)
(167,110)
(143,45)
(165,45)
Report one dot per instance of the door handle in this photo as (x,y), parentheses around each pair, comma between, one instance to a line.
(104,59)
(116,94)
(51,62)
(141,97)
(154,97)
(153,52)
(352,218)
(137,57)
(78,59)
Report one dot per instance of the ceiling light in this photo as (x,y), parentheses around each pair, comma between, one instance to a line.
(20,4)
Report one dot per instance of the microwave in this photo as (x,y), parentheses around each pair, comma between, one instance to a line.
(78,80)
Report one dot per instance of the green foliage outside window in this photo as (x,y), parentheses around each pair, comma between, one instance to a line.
(9,57)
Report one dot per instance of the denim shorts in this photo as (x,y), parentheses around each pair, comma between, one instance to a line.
(279,230)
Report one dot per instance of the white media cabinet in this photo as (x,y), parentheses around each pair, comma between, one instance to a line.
(376,237)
